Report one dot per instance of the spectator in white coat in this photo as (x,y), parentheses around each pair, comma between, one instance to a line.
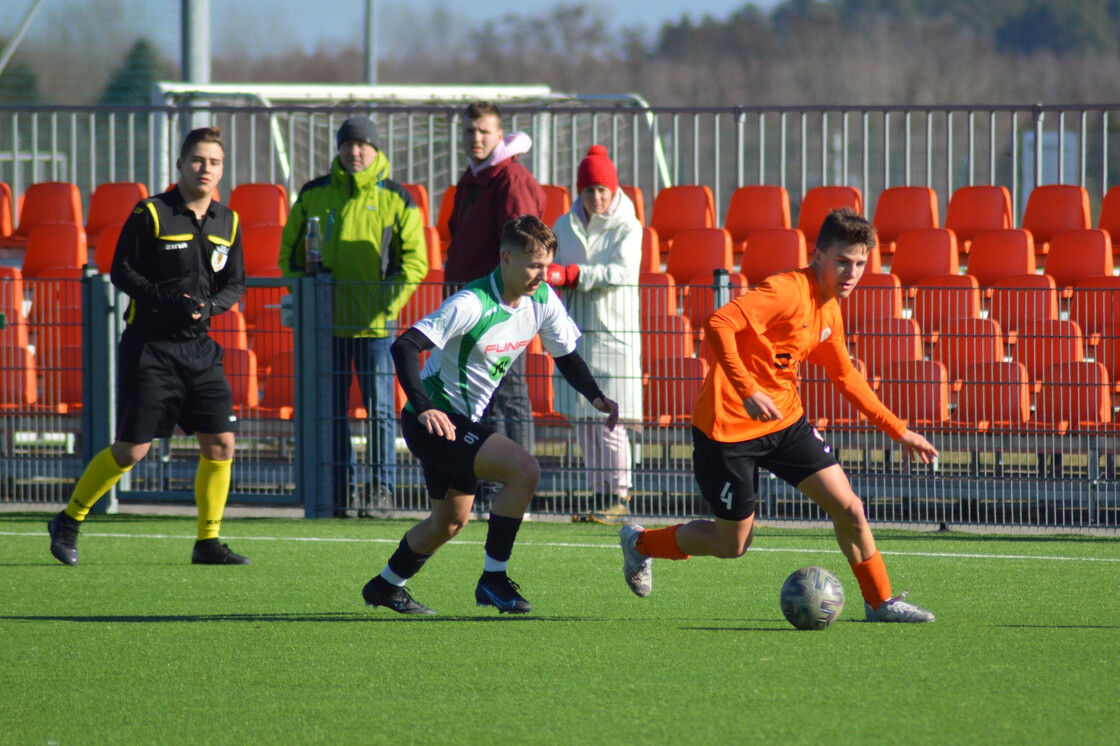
(598,259)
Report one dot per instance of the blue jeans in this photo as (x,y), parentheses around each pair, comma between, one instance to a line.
(369,358)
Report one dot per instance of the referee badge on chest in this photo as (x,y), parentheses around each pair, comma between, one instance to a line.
(218,257)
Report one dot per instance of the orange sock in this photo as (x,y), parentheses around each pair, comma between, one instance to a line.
(660,543)
(874,583)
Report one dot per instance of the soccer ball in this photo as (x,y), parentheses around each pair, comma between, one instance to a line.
(812,598)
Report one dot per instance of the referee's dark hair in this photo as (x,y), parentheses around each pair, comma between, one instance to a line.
(529,234)
(202,134)
(846,226)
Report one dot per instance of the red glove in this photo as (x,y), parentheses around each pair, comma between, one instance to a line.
(559,276)
(556,275)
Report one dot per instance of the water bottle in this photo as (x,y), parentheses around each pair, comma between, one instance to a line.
(313,247)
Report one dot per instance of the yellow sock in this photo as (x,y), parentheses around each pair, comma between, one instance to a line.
(211,488)
(100,475)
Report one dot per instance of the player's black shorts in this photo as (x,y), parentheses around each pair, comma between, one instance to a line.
(162,383)
(447,463)
(728,472)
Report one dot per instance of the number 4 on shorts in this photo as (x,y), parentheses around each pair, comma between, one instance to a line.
(725,495)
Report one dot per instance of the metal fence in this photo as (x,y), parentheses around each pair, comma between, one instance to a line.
(1029,473)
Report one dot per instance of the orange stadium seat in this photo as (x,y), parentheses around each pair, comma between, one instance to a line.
(917,392)
(700,298)
(1095,306)
(697,252)
(877,296)
(45,202)
(419,194)
(426,299)
(771,251)
(557,202)
(7,223)
(974,209)
(1018,300)
(228,330)
(657,294)
(54,246)
(995,396)
(651,250)
(110,205)
(885,341)
(1043,344)
(1107,220)
(538,377)
(665,336)
(257,203)
(965,342)
(61,389)
(270,339)
(277,386)
(673,386)
(435,251)
(755,208)
(901,209)
(1052,208)
(996,254)
(18,387)
(1078,254)
(14,333)
(682,207)
(941,299)
(923,252)
(1108,352)
(1074,397)
(639,200)
(260,245)
(821,200)
(107,247)
(443,220)
(240,366)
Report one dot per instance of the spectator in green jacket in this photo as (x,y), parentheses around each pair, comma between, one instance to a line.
(373,243)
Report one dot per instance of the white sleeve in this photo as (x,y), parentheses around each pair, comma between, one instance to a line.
(558,332)
(453,318)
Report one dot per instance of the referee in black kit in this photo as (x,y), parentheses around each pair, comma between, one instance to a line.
(179,260)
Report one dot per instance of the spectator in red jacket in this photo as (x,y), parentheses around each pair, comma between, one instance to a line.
(494,189)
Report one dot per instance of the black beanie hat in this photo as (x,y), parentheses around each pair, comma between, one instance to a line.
(357,128)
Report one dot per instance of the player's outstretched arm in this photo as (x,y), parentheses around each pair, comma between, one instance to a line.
(918,447)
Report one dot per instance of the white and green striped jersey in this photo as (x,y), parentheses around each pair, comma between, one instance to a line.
(477,336)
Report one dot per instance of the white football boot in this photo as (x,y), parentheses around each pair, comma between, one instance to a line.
(897,610)
(636,567)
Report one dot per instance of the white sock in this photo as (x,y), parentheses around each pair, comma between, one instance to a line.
(392,577)
(493,565)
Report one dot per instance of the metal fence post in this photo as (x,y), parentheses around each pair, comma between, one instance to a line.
(99,340)
(314,474)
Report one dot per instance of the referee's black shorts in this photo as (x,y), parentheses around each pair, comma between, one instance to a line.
(728,472)
(447,463)
(163,383)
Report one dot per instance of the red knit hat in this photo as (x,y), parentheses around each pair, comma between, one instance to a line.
(597,168)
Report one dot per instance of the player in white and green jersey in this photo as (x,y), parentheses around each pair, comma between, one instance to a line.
(473,338)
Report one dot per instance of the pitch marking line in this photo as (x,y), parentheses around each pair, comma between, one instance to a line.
(577,545)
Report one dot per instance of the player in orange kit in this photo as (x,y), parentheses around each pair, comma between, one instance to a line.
(749,414)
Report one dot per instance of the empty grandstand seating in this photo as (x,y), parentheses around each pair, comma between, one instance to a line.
(657,294)
(974,209)
(435,251)
(427,298)
(45,202)
(922,252)
(277,384)
(1052,208)
(1095,305)
(900,209)
(682,207)
(443,219)
(673,386)
(538,377)
(107,247)
(917,392)
(1108,219)
(18,386)
(111,204)
(260,203)
(54,246)
(228,329)
(260,246)
(651,250)
(665,336)
(240,367)
(995,396)
(1073,396)
(755,208)
(877,296)
(771,251)
(821,200)
(885,341)
(825,406)
(700,298)
(1018,300)
(1045,343)
(964,342)
(61,388)
(697,252)
(941,299)
(999,253)
(7,209)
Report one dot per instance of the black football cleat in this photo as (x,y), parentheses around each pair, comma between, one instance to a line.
(63,531)
(497,590)
(212,552)
(380,592)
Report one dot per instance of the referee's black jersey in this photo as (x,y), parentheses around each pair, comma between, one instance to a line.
(165,252)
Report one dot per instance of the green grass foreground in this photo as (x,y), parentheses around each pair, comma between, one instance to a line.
(136,645)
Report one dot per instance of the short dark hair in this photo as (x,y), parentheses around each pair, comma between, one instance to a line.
(481,109)
(202,134)
(846,226)
(528,234)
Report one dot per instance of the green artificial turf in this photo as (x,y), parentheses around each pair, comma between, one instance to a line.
(138,646)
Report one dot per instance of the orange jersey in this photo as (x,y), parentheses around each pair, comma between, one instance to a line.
(759,340)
